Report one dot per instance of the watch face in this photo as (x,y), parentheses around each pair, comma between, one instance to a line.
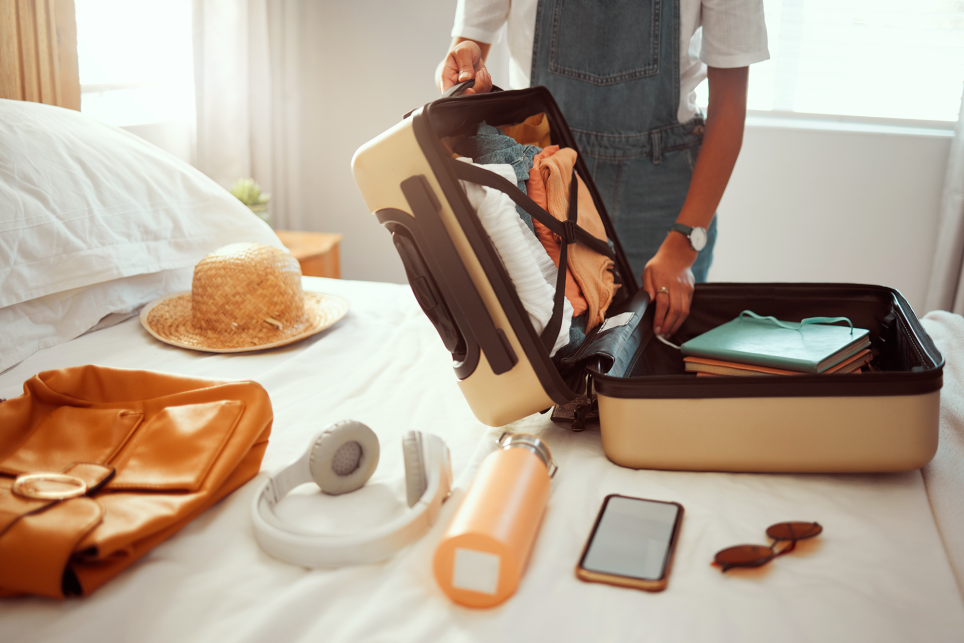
(698,238)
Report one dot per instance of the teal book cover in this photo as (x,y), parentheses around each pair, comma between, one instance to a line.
(805,347)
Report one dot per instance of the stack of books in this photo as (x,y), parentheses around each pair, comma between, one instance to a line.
(765,346)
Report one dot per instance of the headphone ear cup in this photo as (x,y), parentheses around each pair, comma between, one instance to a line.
(344,457)
(416,480)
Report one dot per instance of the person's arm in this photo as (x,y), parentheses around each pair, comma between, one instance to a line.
(464,61)
(671,267)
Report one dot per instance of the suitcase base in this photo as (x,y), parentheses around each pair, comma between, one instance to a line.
(774,434)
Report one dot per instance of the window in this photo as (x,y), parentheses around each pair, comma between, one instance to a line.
(871,58)
(136,68)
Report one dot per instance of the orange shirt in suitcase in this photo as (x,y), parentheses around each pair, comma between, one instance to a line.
(536,189)
(591,270)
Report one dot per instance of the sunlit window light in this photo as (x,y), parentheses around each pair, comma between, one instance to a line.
(866,58)
(135,59)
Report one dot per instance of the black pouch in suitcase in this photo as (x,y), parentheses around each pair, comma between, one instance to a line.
(652,414)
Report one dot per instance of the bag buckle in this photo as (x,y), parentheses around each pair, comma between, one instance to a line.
(61,487)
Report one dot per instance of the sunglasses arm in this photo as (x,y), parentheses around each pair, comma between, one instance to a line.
(786,550)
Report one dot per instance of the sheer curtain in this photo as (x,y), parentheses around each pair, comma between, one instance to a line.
(247,57)
(946,291)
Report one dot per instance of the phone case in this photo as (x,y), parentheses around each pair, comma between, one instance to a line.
(656,585)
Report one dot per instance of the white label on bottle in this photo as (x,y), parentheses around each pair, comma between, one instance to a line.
(476,571)
(616,320)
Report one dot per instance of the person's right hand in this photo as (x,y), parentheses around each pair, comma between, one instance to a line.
(464,62)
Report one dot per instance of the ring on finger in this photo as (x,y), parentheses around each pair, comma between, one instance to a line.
(663,289)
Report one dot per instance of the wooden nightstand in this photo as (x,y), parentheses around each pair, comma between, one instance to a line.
(317,252)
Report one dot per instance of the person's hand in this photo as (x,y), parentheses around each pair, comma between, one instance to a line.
(668,279)
(464,62)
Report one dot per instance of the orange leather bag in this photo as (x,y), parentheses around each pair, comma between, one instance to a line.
(153,451)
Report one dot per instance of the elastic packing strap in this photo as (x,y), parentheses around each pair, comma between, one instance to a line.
(801,323)
(568,230)
(551,331)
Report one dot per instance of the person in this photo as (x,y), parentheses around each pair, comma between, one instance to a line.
(624,73)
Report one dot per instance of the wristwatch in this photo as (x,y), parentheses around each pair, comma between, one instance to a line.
(696,235)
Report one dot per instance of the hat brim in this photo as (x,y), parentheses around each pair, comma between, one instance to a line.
(171,324)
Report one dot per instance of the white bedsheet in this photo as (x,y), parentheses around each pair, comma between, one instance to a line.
(944,475)
(878,572)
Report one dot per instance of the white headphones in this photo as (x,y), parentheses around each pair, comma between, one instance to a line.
(341,459)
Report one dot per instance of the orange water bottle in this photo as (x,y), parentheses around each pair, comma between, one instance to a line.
(483,553)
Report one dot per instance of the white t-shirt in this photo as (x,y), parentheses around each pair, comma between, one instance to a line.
(733,34)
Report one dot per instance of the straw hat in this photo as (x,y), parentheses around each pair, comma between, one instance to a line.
(244,297)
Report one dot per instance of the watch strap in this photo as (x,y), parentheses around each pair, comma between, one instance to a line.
(697,241)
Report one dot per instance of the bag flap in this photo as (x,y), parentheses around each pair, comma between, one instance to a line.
(70,434)
(176,448)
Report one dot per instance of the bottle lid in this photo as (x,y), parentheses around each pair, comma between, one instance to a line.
(531,443)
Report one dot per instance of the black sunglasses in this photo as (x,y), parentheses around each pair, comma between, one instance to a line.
(756,555)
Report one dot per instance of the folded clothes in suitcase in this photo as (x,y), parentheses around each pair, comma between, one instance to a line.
(652,413)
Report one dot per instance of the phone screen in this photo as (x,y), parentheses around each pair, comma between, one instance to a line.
(633,537)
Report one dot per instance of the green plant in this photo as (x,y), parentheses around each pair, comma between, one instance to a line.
(249,192)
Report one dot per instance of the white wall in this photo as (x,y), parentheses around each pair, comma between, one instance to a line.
(818,205)
(368,63)
(803,204)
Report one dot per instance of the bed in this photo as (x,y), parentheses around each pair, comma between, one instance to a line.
(888,567)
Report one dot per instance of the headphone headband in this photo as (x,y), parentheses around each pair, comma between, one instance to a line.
(304,547)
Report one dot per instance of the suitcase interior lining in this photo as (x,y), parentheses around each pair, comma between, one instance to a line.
(893,347)
(905,362)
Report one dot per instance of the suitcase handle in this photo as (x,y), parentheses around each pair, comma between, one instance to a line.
(456,90)
(459,88)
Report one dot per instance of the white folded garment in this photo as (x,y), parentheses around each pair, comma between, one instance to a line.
(532,272)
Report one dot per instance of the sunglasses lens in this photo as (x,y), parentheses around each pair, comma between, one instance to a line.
(743,556)
(794,530)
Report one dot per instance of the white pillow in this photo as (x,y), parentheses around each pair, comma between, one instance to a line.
(61,316)
(95,221)
(83,203)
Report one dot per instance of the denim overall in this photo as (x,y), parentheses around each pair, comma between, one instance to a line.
(613,67)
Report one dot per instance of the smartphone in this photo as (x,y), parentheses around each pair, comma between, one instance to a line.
(632,543)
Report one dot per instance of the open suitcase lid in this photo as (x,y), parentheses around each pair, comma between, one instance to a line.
(448,295)
(458,116)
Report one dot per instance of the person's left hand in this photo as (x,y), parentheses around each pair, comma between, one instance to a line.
(668,278)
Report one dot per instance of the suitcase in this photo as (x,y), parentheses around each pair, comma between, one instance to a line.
(651,413)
